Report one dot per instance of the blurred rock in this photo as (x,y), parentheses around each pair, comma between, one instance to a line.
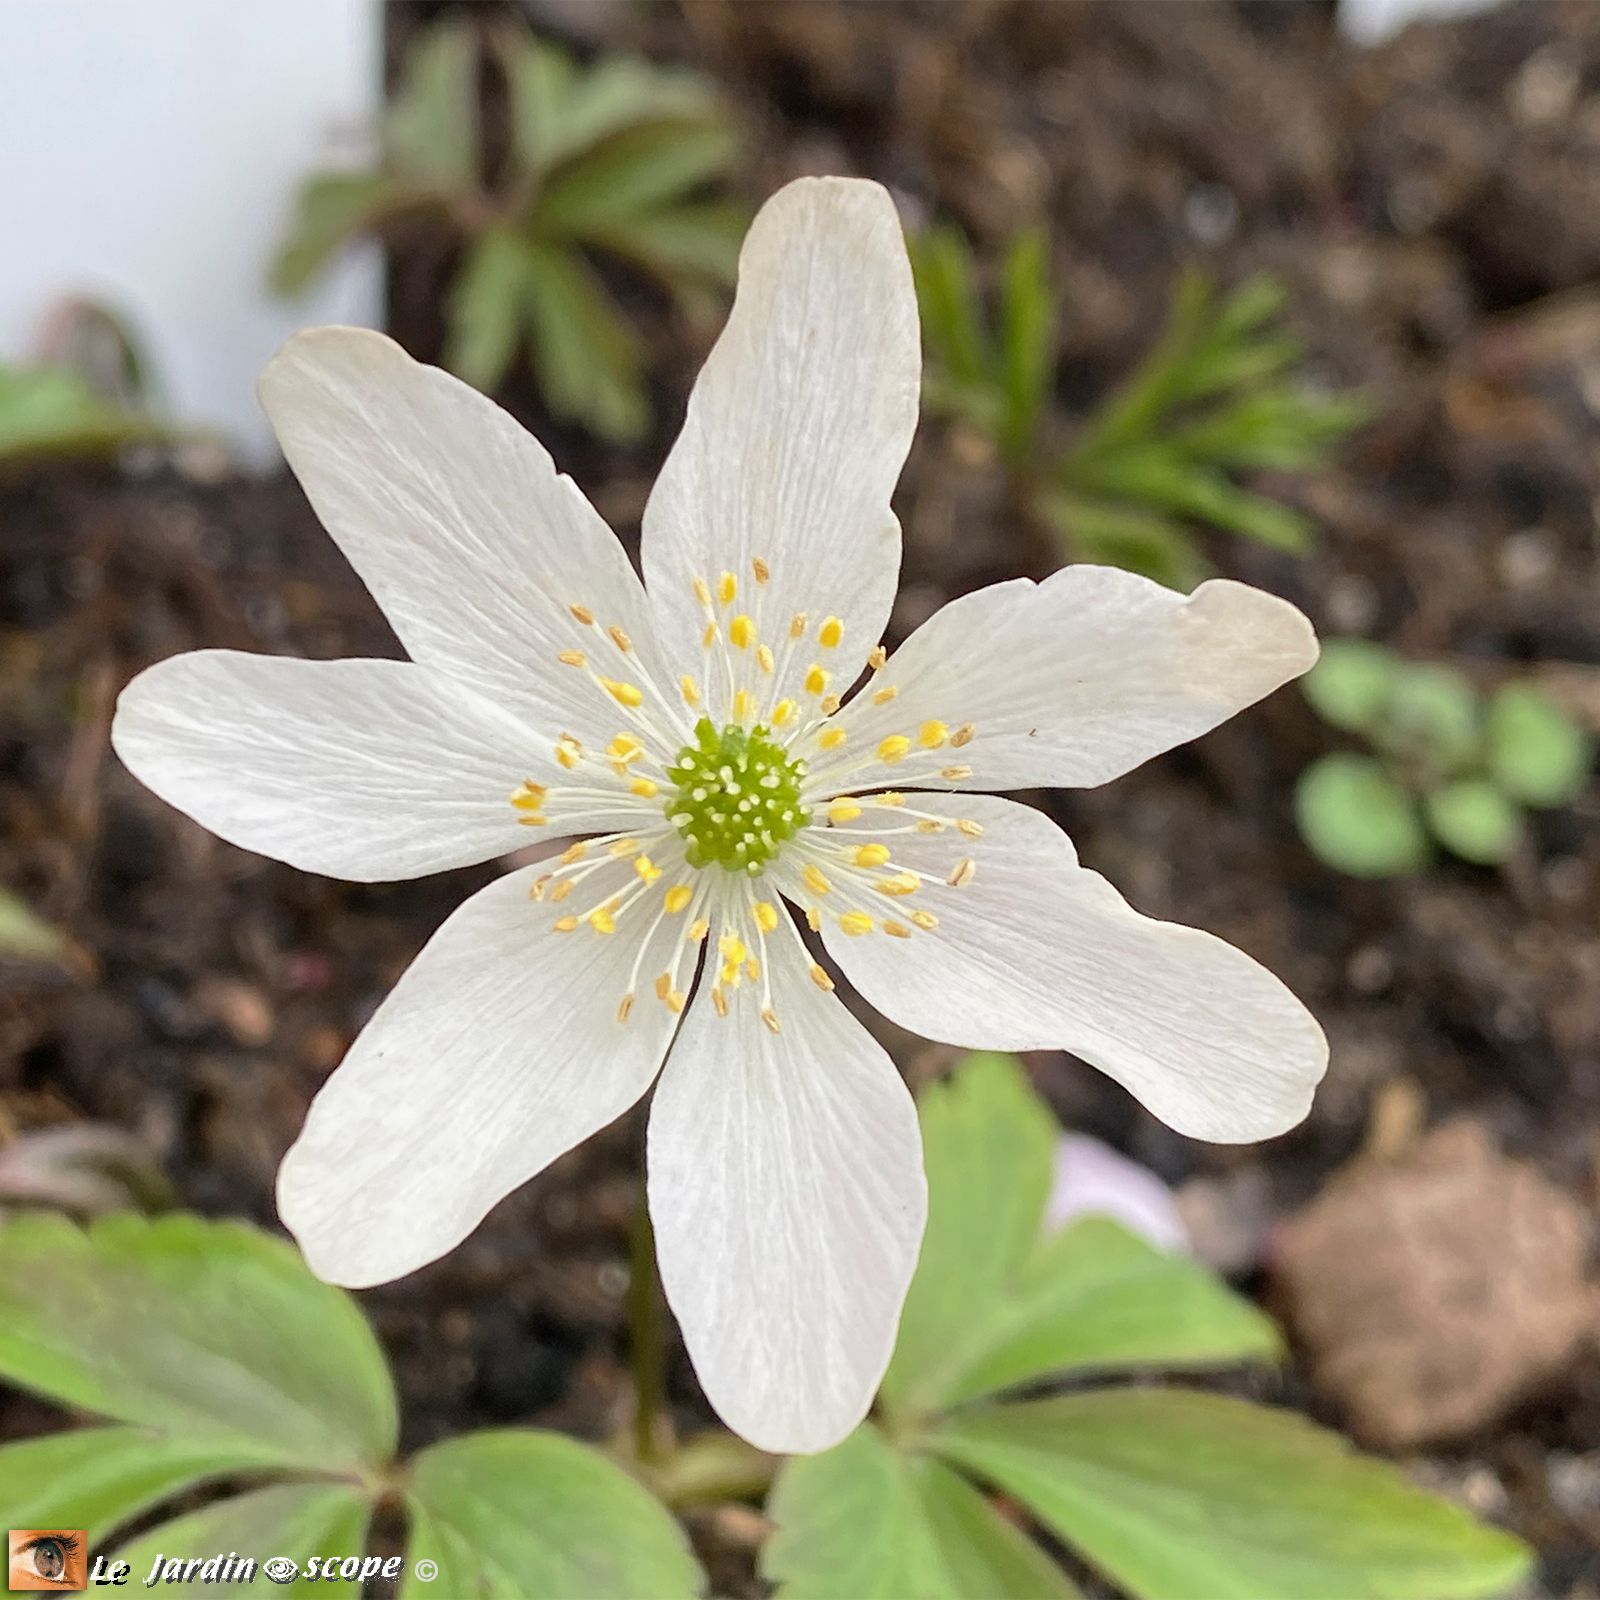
(1433,1293)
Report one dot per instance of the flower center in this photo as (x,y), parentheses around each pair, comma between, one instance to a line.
(737,799)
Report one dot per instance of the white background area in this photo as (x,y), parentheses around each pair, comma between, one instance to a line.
(149,152)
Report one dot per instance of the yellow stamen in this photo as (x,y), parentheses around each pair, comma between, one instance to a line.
(676,1001)
(840,811)
(720,1001)
(816,681)
(536,889)
(702,592)
(770,1017)
(877,658)
(709,637)
(528,796)
(744,705)
(663,986)
(929,825)
(783,712)
(602,921)
(925,920)
(871,855)
(819,977)
(677,898)
(955,774)
(813,919)
(752,970)
(571,658)
(895,748)
(896,930)
(623,847)
(889,798)
(766,915)
(727,588)
(623,693)
(962,873)
(828,704)
(741,632)
(691,690)
(932,734)
(569,753)
(830,633)
(900,883)
(698,929)
(962,735)
(797,625)
(532,822)
(761,570)
(765,658)
(831,738)
(574,852)
(855,923)
(731,948)
(625,1010)
(583,614)
(620,639)
(644,788)
(565,924)
(624,747)
(973,830)
(561,891)
(815,879)
(647,869)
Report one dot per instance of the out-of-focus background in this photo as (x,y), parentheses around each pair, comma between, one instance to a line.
(1423,209)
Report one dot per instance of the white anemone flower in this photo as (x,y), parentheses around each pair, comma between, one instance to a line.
(697,738)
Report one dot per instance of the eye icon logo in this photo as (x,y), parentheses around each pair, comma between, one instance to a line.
(48,1558)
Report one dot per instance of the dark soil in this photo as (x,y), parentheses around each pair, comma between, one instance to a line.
(1432,205)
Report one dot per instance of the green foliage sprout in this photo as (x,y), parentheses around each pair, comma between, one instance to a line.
(608,161)
(1443,764)
(1219,396)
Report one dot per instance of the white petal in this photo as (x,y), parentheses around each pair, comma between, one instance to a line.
(1036,952)
(795,434)
(457,522)
(368,770)
(498,1050)
(1073,681)
(788,1199)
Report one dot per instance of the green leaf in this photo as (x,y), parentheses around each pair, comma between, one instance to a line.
(1474,820)
(587,360)
(698,241)
(988,1146)
(1357,819)
(1537,753)
(1179,1495)
(49,412)
(1027,343)
(862,1520)
(1351,683)
(1119,534)
(515,1513)
(431,130)
(295,1520)
(330,210)
(1434,714)
(952,315)
(98,1479)
(486,308)
(213,1331)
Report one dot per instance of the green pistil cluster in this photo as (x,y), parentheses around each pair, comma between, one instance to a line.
(738,797)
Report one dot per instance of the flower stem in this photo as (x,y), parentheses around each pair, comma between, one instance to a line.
(647,1338)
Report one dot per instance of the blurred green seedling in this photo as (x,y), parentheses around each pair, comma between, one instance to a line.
(613,161)
(220,1366)
(1442,764)
(996,1425)
(1221,395)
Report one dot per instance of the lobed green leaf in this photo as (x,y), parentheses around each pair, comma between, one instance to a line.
(1357,819)
(1537,753)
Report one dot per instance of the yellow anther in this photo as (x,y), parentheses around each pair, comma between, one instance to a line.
(819,977)
(676,1001)
(962,735)
(569,753)
(727,588)
(871,855)
(744,705)
(932,734)
(645,788)
(678,898)
(583,614)
(925,920)
(571,658)
(663,986)
(817,681)
(602,921)
(761,570)
(625,1009)
(841,811)
(877,658)
(930,825)
(565,924)
(731,948)
(973,830)
(830,633)
(813,919)
(895,930)
(855,923)
(765,658)
(901,883)
(770,1017)
(620,639)
(625,694)
(574,852)
(528,796)
(881,697)
(783,712)
(561,891)
(766,915)
(741,632)
(752,970)
(895,748)
(709,637)
(690,690)
(797,625)
(815,880)
(624,747)
(828,704)
(962,873)
(831,738)
(889,798)
(698,929)
(623,847)
(955,774)
(536,888)
(532,821)
(702,592)
(647,869)
(720,1001)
